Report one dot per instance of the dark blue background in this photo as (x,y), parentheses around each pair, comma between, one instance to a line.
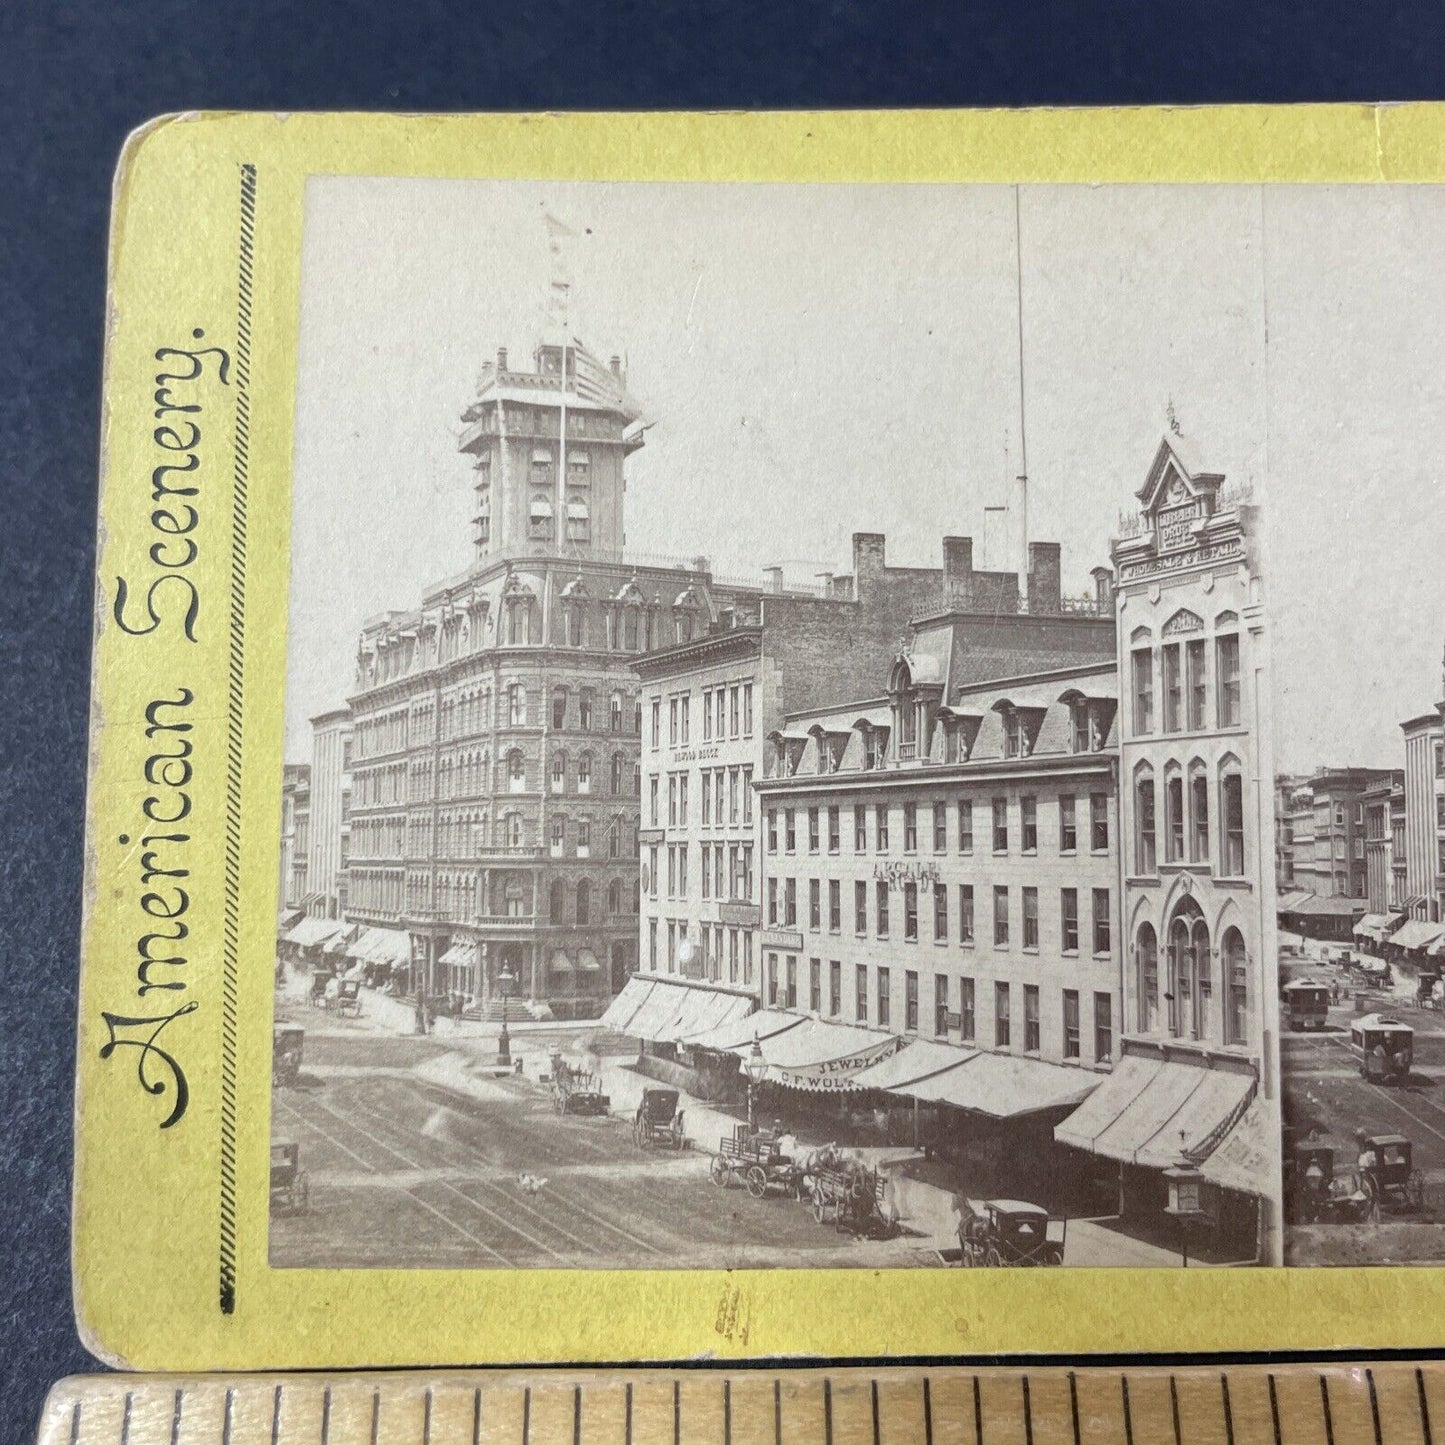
(74,78)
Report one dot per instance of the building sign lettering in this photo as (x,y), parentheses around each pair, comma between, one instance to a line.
(1177,561)
(895,875)
(694,755)
(1174,526)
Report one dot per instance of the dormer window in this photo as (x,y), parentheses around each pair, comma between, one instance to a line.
(1017,742)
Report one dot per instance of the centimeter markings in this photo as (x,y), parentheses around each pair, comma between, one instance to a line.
(1297,1404)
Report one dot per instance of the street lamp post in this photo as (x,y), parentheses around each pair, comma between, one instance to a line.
(505,980)
(756,1068)
(1186,1201)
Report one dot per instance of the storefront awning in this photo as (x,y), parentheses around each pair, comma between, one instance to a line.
(288,918)
(587,961)
(823,1057)
(701,1010)
(1003,1086)
(1290,902)
(341,944)
(1417,933)
(560,963)
(635,992)
(915,1061)
(311,931)
(1376,925)
(1153,1110)
(461,954)
(540,507)
(1247,1160)
(737,1035)
(382,945)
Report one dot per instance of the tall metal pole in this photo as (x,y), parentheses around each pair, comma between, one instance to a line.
(1023,478)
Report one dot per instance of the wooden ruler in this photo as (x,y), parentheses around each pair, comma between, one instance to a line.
(1393,1403)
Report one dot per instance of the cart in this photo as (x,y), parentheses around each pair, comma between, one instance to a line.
(575,1091)
(757,1160)
(1383,1048)
(289,1191)
(1425,995)
(851,1198)
(287,1044)
(1394,1176)
(1010,1233)
(658,1121)
(320,977)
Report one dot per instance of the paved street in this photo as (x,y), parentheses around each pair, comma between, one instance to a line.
(404,1173)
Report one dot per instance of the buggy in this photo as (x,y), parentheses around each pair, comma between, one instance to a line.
(289,1191)
(287,1043)
(758,1161)
(320,977)
(658,1121)
(1394,1177)
(1010,1232)
(348,999)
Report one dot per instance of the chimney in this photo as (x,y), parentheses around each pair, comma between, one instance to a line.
(1103,585)
(868,563)
(616,365)
(501,358)
(957,562)
(1045,577)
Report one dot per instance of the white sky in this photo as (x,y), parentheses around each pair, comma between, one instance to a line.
(821,360)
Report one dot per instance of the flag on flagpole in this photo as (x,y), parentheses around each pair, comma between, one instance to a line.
(559,286)
(597,382)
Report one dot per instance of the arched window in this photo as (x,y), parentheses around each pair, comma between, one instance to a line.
(559,836)
(584,709)
(614,897)
(584,773)
(516,771)
(631,632)
(1235,963)
(516,705)
(1173,815)
(1198,813)
(1191,983)
(614,839)
(584,900)
(512,830)
(557,901)
(619,773)
(1146,979)
(614,712)
(584,837)
(559,771)
(559,708)
(1146,858)
(1231,819)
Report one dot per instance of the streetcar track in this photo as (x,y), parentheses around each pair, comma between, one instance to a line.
(1323,1045)
(330,1138)
(441,1183)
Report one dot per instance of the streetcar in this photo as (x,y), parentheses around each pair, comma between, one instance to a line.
(1305,1003)
(1383,1048)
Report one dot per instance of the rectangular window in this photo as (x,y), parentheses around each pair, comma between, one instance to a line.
(1029,823)
(707,870)
(1173,818)
(684,734)
(940,912)
(1000,917)
(772,902)
(1103,1028)
(860,908)
(815,904)
(1068,824)
(1103,933)
(1000,825)
(860,829)
(880,820)
(721,698)
(1226,673)
(910,1002)
(1031,1018)
(884,999)
(772,980)
(790,903)
(940,828)
(790,831)
(1099,822)
(815,985)
(812,830)
(772,830)
(940,1005)
(966,1019)
(910,828)
(682,800)
(1232,790)
(1031,917)
(1173,687)
(792,979)
(965,912)
(707,799)
(672,800)
(835,987)
(1146,856)
(910,912)
(652,868)
(748,795)
(860,993)
(747,709)
(1001,1019)
(835,906)
(1071,1023)
(656,721)
(717,809)
(652,944)
(965,826)
(1197,684)
(732,796)
(1069,919)
(734,711)
(834,830)
(1143,691)
(882,907)
(707,714)
(652,791)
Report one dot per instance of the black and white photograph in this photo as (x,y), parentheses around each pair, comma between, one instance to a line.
(861,726)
